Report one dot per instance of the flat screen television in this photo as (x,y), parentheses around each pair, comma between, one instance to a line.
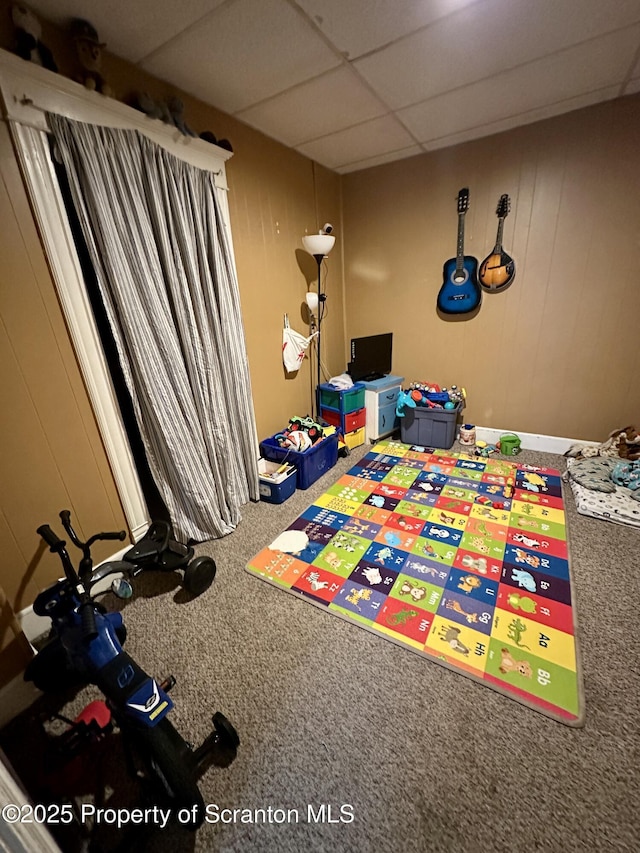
(370,357)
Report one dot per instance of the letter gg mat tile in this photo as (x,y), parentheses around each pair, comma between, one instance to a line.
(461,559)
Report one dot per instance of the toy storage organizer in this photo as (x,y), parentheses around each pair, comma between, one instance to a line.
(429,427)
(345,410)
(311,464)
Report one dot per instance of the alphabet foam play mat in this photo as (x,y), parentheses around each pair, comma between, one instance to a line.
(460,559)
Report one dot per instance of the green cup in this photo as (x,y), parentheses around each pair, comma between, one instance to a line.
(509,444)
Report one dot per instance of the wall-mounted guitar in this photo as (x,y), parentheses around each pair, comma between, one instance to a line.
(498,270)
(460,291)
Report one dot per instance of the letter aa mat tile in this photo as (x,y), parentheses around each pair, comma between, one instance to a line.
(460,559)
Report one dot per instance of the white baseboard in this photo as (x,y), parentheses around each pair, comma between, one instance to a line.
(532,441)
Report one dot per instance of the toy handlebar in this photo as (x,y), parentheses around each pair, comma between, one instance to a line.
(65,517)
(53,540)
(87,615)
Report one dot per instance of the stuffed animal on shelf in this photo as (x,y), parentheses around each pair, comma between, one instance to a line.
(28,31)
(176,110)
(149,106)
(89,50)
(209,136)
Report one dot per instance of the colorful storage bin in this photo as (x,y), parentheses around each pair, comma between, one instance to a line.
(311,464)
(342,401)
(348,422)
(354,439)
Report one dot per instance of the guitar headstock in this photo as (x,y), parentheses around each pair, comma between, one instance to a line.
(463,200)
(504,206)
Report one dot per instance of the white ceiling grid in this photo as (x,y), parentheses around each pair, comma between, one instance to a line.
(354,83)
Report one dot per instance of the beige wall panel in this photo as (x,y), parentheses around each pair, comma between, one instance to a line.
(52,456)
(555,352)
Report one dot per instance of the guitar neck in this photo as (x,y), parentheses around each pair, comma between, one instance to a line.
(460,248)
(498,246)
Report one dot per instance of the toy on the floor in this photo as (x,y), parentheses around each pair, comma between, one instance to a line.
(159,551)
(510,444)
(623,443)
(484,450)
(85,646)
(467,434)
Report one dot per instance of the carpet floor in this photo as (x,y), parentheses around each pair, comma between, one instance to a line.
(421,758)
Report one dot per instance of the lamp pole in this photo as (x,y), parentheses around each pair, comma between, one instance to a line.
(319,245)
(319,259)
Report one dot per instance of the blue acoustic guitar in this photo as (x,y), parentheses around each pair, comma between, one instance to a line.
(460,292)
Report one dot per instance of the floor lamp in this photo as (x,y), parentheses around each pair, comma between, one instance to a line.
(319,245)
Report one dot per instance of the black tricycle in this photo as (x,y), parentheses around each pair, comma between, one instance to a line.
(158,550)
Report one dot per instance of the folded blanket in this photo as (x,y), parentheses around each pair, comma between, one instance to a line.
(618,507)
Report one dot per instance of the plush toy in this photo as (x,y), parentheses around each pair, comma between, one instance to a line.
(176,110)
(154,109)
(623,443)
(404,399)
(89,50)
(297,440)
(28,44)
(626,474)
(208,136)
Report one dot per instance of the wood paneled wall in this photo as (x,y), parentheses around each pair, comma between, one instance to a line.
(52,456)
(557,353)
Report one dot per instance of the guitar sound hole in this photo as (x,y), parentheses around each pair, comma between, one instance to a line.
(460,277)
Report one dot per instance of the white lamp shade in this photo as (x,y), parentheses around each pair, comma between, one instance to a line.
(312,301)
(318,244)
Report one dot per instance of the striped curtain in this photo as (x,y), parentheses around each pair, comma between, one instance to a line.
(156,239)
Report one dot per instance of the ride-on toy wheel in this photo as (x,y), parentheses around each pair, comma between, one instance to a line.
(199,575)
(225,731)
(171,770)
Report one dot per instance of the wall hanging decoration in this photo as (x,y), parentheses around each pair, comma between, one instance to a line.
(498,269)
(460,292)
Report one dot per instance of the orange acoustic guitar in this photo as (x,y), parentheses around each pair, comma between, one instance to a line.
(498,270)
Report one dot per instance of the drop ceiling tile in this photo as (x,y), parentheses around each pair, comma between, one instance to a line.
(370,139)
(331,102)
(149,23)
(246,51)
(547,111)
(594,65)
(391,157)
(359,26)
(484,39)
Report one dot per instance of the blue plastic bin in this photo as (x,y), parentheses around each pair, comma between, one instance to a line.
(277,493)
(311,464)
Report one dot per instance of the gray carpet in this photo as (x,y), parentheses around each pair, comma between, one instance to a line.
(428,759)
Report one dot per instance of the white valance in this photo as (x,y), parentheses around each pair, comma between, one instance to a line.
(29,91)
